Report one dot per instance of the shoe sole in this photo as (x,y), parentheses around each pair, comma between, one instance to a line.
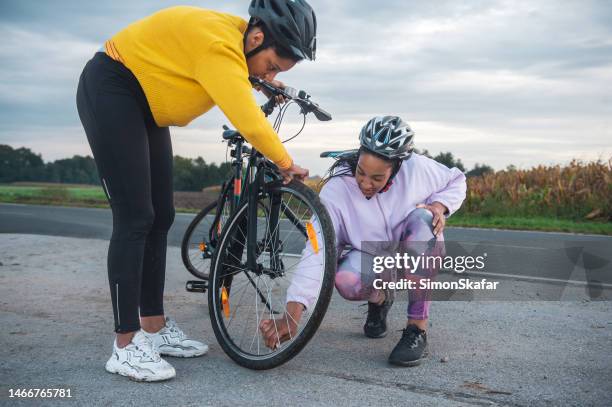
(410,363)
(382,335)
(184,355)
(113,370)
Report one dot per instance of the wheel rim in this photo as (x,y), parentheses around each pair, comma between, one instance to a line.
(239,307)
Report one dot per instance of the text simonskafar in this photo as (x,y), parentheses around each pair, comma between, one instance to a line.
(428,284)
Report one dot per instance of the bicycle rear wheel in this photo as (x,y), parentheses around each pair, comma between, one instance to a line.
(295,239)
(201,237)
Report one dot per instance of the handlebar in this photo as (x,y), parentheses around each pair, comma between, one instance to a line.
(298,96)
(301,98)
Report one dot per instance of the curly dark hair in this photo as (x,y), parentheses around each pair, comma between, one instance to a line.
(346,166)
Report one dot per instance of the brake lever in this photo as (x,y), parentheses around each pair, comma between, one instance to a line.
(269,106)
(308,106)
(300,97)
(322,115)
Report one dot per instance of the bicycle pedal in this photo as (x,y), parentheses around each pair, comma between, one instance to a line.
(196,286)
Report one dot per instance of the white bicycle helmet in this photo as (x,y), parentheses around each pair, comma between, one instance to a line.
(388,136)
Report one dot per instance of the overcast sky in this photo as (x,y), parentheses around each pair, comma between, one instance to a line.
(499,82)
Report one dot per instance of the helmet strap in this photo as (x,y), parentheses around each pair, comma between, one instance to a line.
(265,44)
(396,169)
(255,50)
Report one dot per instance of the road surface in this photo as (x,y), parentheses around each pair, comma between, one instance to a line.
(57,332)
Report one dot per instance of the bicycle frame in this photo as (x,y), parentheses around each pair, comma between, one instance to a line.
(256,180)
(256,184)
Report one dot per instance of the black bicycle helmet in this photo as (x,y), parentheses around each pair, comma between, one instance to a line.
(388,136)
(291,23)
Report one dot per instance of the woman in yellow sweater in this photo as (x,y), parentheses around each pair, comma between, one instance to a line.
(165,70)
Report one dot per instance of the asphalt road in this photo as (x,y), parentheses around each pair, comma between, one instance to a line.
(530,255)
(57,323)
(97,224)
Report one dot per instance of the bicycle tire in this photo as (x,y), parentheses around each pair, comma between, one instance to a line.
(185,244)
(316,313)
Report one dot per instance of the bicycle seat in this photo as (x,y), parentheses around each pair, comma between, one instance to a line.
(337,154)
(230,134)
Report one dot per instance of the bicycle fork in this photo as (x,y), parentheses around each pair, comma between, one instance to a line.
(253,191)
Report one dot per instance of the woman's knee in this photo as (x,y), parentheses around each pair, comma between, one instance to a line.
(420,215)
(132,224)
(348,285)
(419,225)
(164,219)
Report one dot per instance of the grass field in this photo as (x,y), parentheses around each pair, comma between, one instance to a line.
(93,196)
(90,196)
(535,223)
(53,194)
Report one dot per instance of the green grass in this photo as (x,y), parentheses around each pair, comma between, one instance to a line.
(54,195)
(93,196)
(535,223)
(59,194)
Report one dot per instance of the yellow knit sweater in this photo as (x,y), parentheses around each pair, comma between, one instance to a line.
(188,59)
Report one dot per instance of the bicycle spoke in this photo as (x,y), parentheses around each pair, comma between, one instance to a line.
(283,257)
(271,316)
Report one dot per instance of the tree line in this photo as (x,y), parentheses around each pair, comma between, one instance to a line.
(190,174)
(450,161)
(21,164)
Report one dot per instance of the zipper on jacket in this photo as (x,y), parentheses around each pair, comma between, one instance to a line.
(384,219)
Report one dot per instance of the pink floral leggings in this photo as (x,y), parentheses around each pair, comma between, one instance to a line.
(355,282)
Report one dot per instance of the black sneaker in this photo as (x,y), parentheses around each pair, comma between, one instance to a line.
(376,322)
(411,348)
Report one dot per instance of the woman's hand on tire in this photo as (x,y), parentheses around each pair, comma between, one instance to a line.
(277,331)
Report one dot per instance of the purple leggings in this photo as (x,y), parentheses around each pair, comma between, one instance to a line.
(353,286)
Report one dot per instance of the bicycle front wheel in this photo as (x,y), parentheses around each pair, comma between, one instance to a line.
(295,241)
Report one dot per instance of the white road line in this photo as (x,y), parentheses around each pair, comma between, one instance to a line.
(552,232)
(555,280)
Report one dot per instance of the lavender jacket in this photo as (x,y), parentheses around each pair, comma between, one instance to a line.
(381,218)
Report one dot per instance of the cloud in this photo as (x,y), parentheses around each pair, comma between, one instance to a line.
(498,82)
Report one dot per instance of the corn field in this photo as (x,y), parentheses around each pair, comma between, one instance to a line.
(577,191)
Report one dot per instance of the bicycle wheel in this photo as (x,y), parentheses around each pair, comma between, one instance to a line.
(201,237)
(301,240)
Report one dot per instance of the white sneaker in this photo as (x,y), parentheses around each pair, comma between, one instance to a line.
(172,341)
(139,361)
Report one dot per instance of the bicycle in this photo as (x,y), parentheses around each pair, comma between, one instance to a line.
(255,236)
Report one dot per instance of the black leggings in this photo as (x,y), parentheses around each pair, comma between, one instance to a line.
(134,160)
